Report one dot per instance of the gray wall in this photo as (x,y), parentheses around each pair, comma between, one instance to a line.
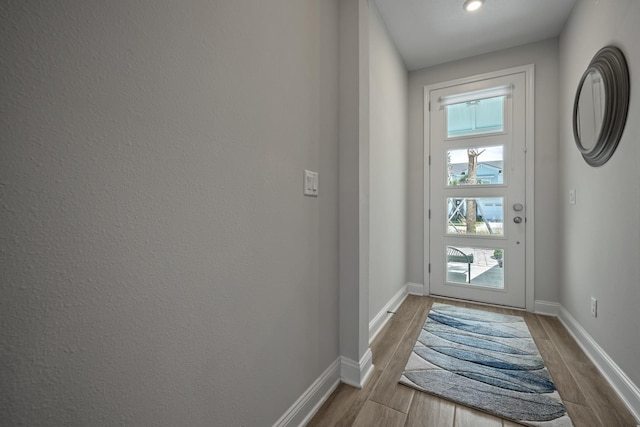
(388,166)
(545,57)
(159,264)
(600,232)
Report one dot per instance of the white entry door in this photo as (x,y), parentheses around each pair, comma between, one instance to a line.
(477,198)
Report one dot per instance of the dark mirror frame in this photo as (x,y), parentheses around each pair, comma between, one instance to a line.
(612,66)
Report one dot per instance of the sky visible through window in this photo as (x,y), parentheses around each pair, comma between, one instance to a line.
(490,154)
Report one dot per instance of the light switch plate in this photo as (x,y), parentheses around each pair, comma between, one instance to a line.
(310,183)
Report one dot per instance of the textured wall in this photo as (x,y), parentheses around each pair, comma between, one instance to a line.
(545,57)
(388,166)
(600,232)
(159,264)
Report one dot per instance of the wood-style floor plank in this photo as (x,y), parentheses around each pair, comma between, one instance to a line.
(428,410)
(343,411)
(336,407)
(589,399)
(375,414)
(600,396)
(467,417)
(535,327)
(582,415)
(560,373)
(388,391)
(389,337)
(564,342)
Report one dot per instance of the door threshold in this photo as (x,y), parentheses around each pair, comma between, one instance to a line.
(477,302)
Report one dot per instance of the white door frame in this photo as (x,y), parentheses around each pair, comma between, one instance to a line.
(528,70)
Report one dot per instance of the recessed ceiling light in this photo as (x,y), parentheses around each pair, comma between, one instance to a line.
(471,5)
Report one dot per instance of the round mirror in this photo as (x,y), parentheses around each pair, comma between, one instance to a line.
(601,105)
(590,109)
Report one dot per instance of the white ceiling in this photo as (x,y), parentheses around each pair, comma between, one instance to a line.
(431,32)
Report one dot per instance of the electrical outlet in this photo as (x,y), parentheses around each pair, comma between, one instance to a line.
(594,307)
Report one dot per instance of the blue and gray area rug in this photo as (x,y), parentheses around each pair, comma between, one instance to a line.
(486,361)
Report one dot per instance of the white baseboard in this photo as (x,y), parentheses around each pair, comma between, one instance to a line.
(312,399)
(415,288)
(547,308)
(355,373)
(381,319)
(628,392)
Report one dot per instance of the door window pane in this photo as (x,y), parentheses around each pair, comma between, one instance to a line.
(475,216)
(475,117)
(475,266)
(475,166)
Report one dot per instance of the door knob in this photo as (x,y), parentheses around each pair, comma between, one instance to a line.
(517,220)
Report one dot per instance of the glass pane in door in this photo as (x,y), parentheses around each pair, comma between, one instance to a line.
(475,166)
(475,266)
(475,216)
(475,117)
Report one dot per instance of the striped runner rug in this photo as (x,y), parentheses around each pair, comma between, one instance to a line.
(487,361)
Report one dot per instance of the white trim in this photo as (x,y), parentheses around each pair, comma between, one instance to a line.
(628,392)
(426,188)
(529,71)
(354,373)
(383,316)
(530,138)
(475,95)
(417,289)
(547,308)
(312,399)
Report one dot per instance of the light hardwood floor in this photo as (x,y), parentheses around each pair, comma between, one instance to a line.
(588,398)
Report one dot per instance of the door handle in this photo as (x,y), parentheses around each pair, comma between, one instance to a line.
(517,220)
